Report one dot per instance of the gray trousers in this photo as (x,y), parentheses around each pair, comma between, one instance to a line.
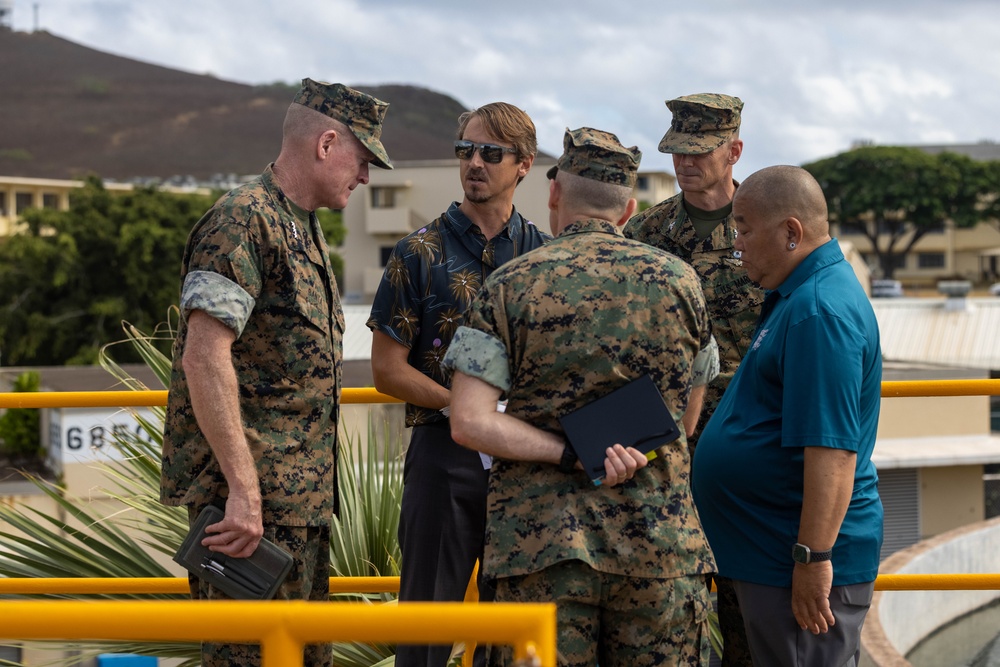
(776,640)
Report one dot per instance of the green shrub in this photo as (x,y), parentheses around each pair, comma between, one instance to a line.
(19,434)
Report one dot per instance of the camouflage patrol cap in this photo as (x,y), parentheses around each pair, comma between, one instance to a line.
(362,113)
(598,155)
(701,123)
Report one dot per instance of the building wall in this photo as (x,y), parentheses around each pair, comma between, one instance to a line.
(931,451)
(18,194)
(950,497)
(948,253)
(929,416)
(653,187)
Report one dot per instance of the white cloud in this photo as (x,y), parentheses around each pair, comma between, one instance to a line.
(814,75)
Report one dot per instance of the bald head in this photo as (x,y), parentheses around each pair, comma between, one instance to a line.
(784,191)
(780,216)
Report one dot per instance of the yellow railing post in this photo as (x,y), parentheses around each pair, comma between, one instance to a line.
(281,627)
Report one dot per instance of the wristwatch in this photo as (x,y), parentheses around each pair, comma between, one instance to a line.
(803,554)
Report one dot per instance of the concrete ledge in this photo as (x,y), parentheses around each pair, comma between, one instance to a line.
(898,620)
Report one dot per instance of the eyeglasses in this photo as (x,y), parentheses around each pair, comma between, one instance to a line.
(491,153)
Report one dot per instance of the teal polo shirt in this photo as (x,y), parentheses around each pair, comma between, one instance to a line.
(811,378)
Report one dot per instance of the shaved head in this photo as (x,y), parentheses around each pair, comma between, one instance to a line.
(783,192)
(781,217)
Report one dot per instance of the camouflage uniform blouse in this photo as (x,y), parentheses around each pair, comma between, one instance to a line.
(733,301)
(555,330)
(429,281)
(260,264)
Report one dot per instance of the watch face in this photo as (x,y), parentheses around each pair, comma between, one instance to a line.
(800,553)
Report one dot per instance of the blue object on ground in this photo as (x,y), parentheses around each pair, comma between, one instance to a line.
(125,660)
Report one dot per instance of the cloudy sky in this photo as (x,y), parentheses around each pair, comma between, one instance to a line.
(815,75)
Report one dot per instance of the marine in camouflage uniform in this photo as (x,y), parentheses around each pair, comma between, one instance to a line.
(708,125)
(554,330)
(258,266)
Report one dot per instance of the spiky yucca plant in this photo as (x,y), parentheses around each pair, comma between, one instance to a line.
(76,541)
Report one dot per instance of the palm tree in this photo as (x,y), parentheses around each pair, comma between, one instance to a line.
(76,541)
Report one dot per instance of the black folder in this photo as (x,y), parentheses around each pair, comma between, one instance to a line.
(254,578)
(633,415)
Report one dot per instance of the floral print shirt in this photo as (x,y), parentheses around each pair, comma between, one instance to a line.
(431,278)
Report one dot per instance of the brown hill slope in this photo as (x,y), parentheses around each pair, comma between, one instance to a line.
(67,110)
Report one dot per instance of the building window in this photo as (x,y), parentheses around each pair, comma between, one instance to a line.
(383,197)
(930,260)
(22,200)
(384,253)
(3,204)
(50,200)
(642,183)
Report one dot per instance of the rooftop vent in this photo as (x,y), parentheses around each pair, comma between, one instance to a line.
(956,291)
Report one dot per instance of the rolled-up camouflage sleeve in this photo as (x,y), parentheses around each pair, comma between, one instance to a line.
(706,365)
(480,355)
(217,296)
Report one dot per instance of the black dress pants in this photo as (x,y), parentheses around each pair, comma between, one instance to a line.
(442,529)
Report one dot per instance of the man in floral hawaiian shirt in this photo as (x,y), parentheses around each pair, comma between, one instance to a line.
(430,279)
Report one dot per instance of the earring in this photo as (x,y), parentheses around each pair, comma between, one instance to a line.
(791,246)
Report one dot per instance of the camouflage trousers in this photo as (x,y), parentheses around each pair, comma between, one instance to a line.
(735,647)
(309,579)
(614,620)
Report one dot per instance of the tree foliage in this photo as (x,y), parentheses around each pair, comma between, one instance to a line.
(332,224)
(19,427)
(894,196)
(69,281)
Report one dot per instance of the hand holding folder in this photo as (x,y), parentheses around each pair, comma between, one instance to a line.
(255,578)
(633,415)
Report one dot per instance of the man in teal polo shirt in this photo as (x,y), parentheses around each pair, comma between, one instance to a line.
(783,478)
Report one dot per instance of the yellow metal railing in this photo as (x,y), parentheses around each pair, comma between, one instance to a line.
(139,399)
(287,626)
(162,585)
(283,628)
(179,585)
(912,388)
(105,399)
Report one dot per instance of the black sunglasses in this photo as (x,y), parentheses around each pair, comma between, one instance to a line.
(464,150)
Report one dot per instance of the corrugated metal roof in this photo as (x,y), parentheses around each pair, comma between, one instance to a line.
(918,330)
(938,450)
(961,332)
